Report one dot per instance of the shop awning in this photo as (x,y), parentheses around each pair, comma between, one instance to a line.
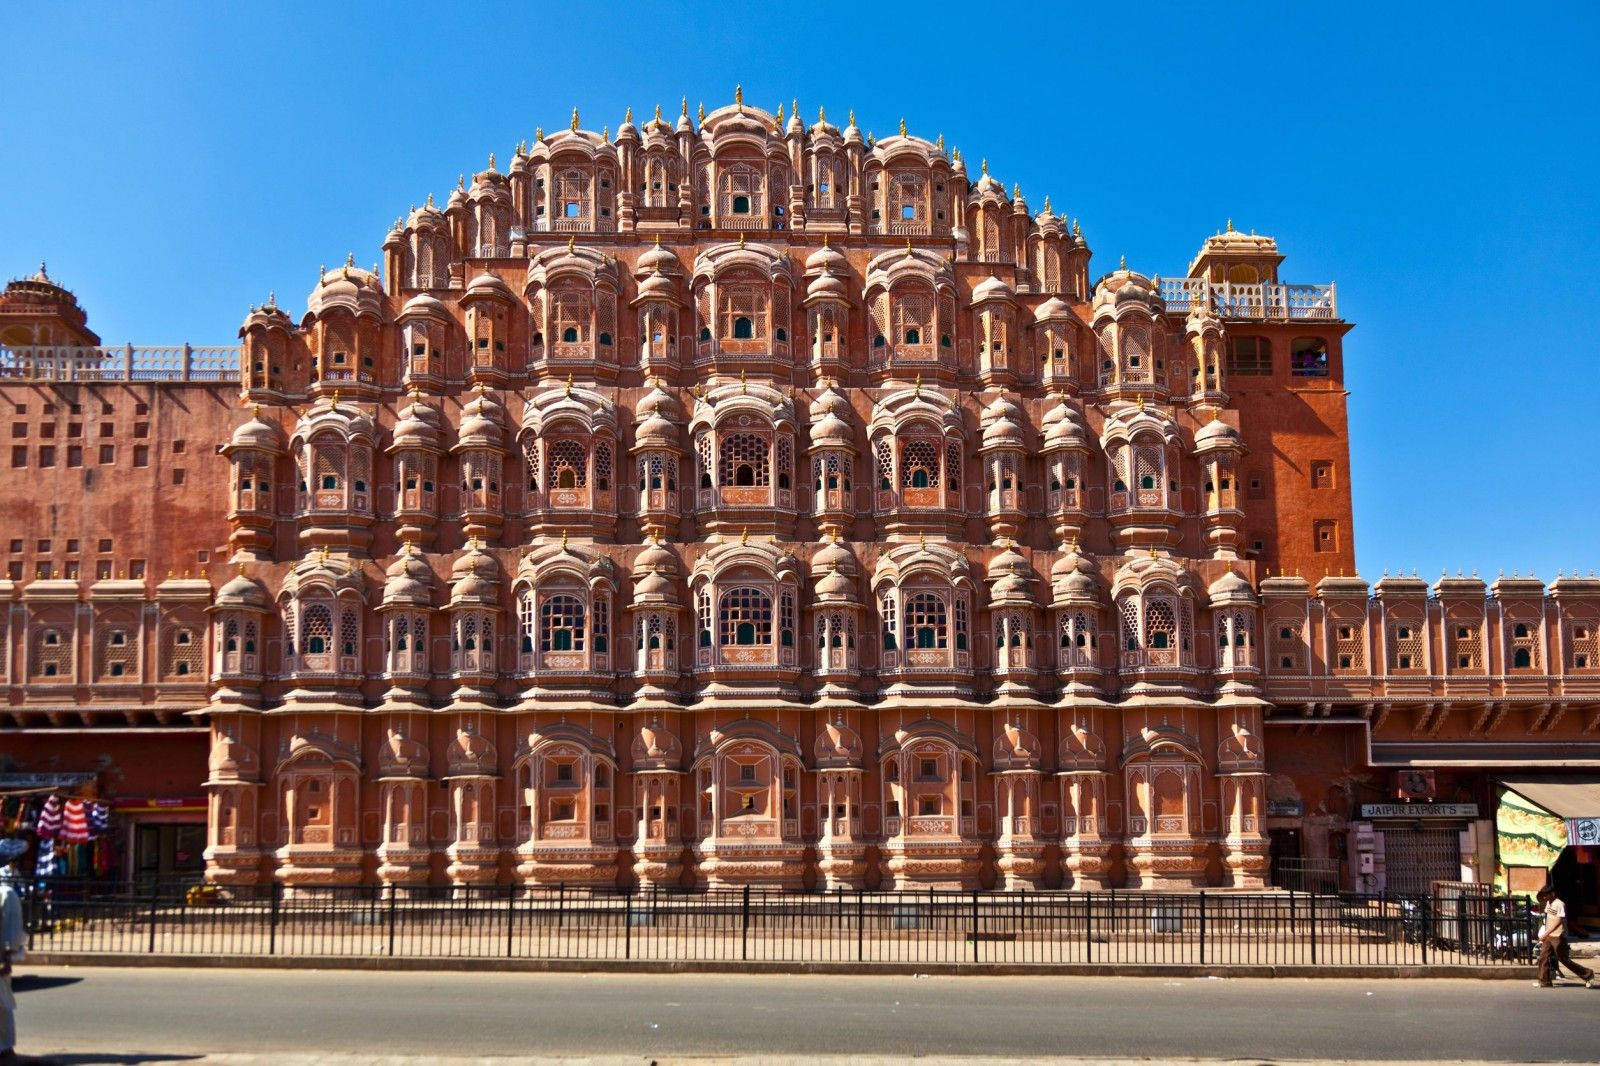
(1564,797)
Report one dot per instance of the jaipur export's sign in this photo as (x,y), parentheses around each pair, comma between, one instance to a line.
(1419,810)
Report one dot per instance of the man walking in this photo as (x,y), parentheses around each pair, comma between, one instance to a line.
(1554,951)
(13,947)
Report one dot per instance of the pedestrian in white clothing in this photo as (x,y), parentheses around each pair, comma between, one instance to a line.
(13,947)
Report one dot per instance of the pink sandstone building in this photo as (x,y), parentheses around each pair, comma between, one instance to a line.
(742,500)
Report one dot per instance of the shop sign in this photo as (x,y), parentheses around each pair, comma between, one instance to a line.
(1419,810)
(1583,831)
(1294,808)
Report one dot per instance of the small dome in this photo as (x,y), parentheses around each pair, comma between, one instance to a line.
(1123,286)
(489,285)
(828,424)
(835,586)
(350,287)
(1053,309)
(242,593)
(409,579)
(1216,434)
(827,286)
(259,434)
(834,556)
(424,306)
(418,427)
(987,186)
(475,577)
(656,586)
(655,558)
(1002,424)
(991,288)
(827,258)
(657,258)
(481,420)
(267,316)
(1073,579)
(659,420)
(1232,588)
(1064,427)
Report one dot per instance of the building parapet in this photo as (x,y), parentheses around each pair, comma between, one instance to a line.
(1260,300)
(184,362)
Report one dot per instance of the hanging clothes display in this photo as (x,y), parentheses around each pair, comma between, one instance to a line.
(74,822)
(50,819)
(99,819)
(44,863)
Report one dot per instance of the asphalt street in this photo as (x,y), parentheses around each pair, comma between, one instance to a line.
(143,1015)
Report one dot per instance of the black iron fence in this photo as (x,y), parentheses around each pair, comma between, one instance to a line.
(1461,925)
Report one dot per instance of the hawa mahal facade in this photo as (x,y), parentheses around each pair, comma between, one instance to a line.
(741,500)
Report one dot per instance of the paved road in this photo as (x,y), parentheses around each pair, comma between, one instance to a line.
(131,1015)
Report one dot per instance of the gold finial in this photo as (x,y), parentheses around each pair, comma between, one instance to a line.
(655,535)
(1230,225)
(186,573)
(835,534)
(700,113)
(1016,190)
(563,539)
(922,541)
(908,246)
(794,107)
(658,240)
(1153,554)
(744,535)
(240,568)
(902,125)
(569,383)
(461,181)
(939,143)
(918,392)
(1047,205)
(822,114)
(1073,547)
(985,165)
(323,555)
(335,404)
(1122,263)
(574,120)
(478,386)
(825,240)
(1077,230)
(658,112)
(684,108)
(255,410)
(538,133)
(522,147)
(572,244)
(780,113)
(1141,405)
(743,387)
(741,241)
(491,160)
(272,297)
(605,132)
(738,97)
(430,199)
(171,573)
(852,118)
(628,115)
(416,393)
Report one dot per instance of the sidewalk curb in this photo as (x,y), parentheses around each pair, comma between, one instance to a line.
(865,969)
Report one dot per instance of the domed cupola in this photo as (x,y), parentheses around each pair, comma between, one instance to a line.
(475,578)
(1011,614)
(1066,455)
(658,455)
(828,301)
(474,610)
(480,453)
(1233,619)
(1219,448)
(1010,578)
(660,305)
(656,574)
(833,461)
(258,433)
(1076,607)
(238,619)
(994,324)
(242,593)
(660,421)
(419,426)
(1003,451)
(254,450)
(656,609)
(829,425)
(836,607)
(1074,581)
(409,580)
(416,448)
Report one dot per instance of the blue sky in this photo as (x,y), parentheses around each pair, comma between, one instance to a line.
(173,163)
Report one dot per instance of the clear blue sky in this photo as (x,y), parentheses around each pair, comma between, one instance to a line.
(174,163)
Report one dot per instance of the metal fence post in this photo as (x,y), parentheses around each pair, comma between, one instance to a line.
(1202,927)
(627,924)
(394,892)
(1088,927)
(561,905)
(511,918)
(272,918)
(1312,903)
(155,897)
(861,924)
(744,932)
(974,926)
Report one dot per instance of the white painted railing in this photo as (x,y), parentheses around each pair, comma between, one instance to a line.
(126,363)
(1259,300)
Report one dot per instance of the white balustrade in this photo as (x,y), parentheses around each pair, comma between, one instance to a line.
(1258,300)
(126,363)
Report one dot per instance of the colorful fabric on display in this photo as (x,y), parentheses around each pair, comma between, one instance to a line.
(99,819)
(75,822)
(50,819)
(44,863)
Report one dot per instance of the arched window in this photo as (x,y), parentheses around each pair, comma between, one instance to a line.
(1160,625)
(919,464)
(743,328)
(561,624)
(744,617)
(316,629)
(1521,658)
(926,624)
(744,460)
(567,465)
